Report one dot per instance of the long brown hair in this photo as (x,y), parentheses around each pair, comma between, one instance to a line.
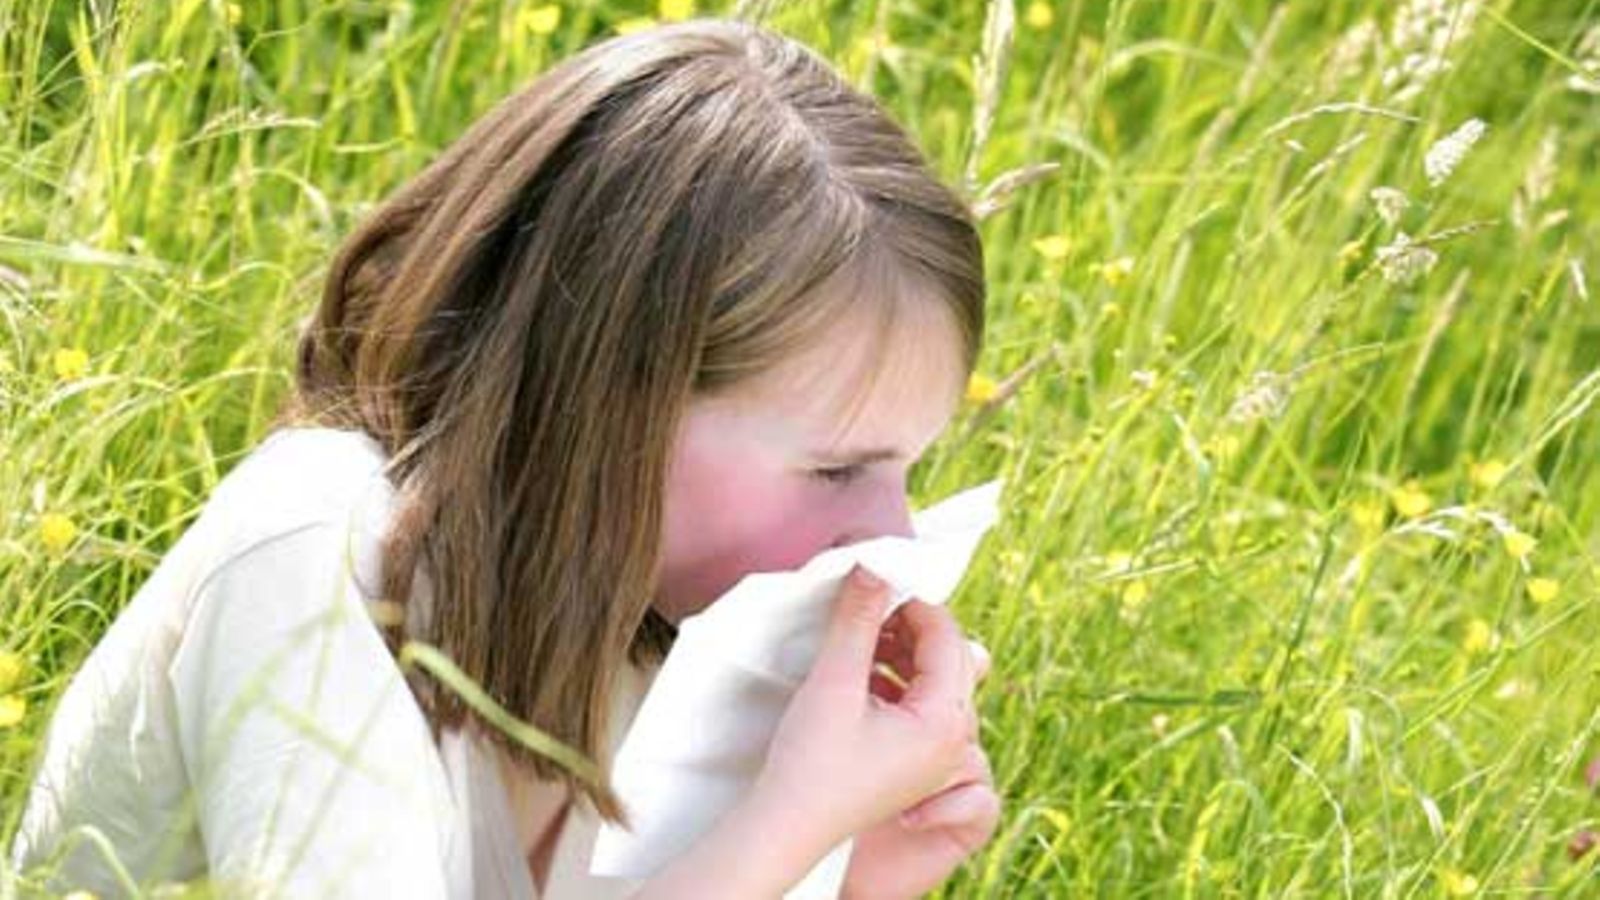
(521,326)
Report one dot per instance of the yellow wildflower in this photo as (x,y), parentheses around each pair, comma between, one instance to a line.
(637,23)
(1542,590)
(1410,500)
(873,44)
(71,363)
(1110,310)
(235,14)
(1458,884)
(1350,253)
(675,10)
(1225,446)
(1119,561)
(981,388)
(543,19)
(12,709)
(1135,594)
(1053,247)
(1114,271)
(1518,544)
(1488,474)
(11,669)
(1039,15)
(1367,515)
(1479,637)
(56,532)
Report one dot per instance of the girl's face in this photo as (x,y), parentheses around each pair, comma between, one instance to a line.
(774,471)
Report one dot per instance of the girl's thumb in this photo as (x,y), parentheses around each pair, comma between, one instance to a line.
(848,648)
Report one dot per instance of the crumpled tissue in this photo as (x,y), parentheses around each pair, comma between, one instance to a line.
(700,736)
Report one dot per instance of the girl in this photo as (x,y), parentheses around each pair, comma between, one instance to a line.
(684,308)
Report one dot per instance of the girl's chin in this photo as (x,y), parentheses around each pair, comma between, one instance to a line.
(674,612)
(687,600)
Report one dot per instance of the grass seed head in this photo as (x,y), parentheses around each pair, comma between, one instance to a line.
(1448,152)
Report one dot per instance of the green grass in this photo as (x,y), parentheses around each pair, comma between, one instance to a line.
(1226,662)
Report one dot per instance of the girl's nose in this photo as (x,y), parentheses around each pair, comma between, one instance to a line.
(887,513)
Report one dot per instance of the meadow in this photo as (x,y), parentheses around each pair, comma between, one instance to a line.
(1291,371)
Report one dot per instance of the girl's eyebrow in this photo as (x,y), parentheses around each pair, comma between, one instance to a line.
(858,457)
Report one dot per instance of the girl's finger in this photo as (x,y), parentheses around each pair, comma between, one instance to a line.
(974,769)
(844,661)
(973,805)
(981,659)
(895,651)
(937,654)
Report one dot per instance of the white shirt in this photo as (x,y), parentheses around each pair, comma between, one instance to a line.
(242,719)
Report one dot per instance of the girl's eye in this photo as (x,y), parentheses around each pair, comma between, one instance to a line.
(839,475)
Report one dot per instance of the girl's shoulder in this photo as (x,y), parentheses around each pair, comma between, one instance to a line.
(265,586)
(294,480)
(297,496)
(297,476)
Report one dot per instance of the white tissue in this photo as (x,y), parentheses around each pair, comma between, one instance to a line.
(700,737)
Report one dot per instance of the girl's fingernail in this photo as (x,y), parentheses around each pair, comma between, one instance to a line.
(862,578)
(979,651)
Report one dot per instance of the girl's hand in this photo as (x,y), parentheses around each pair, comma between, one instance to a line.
(844,756)
(909,854)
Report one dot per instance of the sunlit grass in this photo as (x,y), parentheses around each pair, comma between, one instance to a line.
(1295,587)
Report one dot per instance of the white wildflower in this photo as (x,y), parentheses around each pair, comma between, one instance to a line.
(1514,689)
(1588,56)
(1432,25)
(1390,203)
(1404,261)
(1349,55)
(1537,182)
(1407,78)
(1420,39)
(1266,398)
(1447,152)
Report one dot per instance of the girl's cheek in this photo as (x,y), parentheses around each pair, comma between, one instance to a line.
(725,527)
(784,527)
(801,535)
